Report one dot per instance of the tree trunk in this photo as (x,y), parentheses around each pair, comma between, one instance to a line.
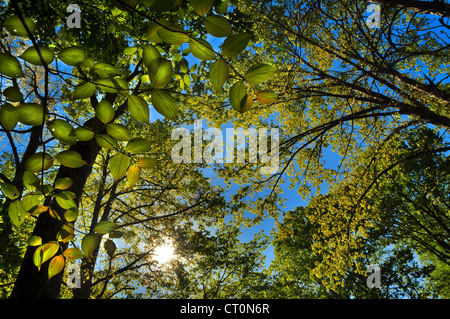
(31,283)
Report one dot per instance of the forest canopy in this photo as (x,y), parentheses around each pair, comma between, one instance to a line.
(119,172)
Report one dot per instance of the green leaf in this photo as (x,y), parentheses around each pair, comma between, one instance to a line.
(31,114)
(105,227)
(138,145)
(218,26)
(15,26)
(163,75)
(106,141)
(70,159)
(147,162)
(222,8)
(39,162)
(56,266)
(37,257)
(107,85)
(31,202)
(84,91)
(202,49)
(115,234)
(49,250)
(161,5)
(74,56)
(152,33)
(31,55)
(71,214)
(133,175)
(13,94)
(118,132)
(202,7)
(165,104)
(104,111)
(66,200)
(17,213)
(73,254)
(106,70)
(218,74)
(172,33)
(138,108)
(235,44)
(34,241)
(130,51)
(89,244)
(30,180)
(9,190)
(84,134)
(110,247)
(118,165)
(63,183)
(66,233)
(151,58)
(238,95)
(62,131)
(267,97)
(9,116)
(10,66)
(258,74)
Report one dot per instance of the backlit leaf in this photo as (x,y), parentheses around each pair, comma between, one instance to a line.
(31,114)
(151,58)
(218,26)
(202,49)
(163,75)
(147,162)
(13,94)
(104,227)
(9,190)
(202,7)
(133,174)
(31,55)
(15,26)
(62,131)
(118,132)
(235,44)
(73,253)
(55,266)
(238,95)
(38,162)
(218,74)
(138,108)
(10,66)
(165,104)
(17,213)
(89,244)
(84,91)
(70,159)
(258,74)
(138,145)
(34,241)
(63,183)
(118,165)
(73,56)
(106,141)
(104,111)
(84,134)
(172,33)
(9,116)
(267,97)
(49,250)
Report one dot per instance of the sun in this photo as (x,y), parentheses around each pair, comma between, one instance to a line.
(164,253)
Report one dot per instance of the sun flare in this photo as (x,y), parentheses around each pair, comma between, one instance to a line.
(164,253)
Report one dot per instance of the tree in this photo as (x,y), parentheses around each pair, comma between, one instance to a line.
(352,91)
(124,57)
